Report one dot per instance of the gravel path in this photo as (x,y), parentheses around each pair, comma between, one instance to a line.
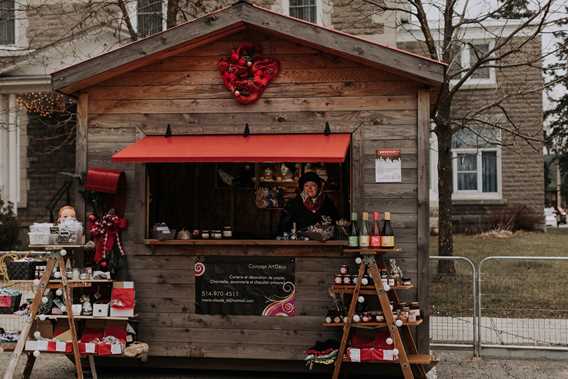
(458,365)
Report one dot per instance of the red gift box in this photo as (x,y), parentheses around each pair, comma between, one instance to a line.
(369,354)
(122,299)
(60,347)
(50,346)
(376,340)
(87,348)
(116,329)
(371,347)
(92,335)
(9,304)
(104,348)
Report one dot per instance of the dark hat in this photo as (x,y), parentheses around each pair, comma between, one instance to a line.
(309,177)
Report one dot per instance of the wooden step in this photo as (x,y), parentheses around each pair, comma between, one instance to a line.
(365,290)
(413,359)
(420,359)
(7,346)
(370,325)
(371,251)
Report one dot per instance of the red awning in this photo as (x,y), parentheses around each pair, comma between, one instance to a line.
(237,148)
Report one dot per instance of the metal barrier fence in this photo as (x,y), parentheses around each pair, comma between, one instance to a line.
(504,302)
(522,303)
(453,298)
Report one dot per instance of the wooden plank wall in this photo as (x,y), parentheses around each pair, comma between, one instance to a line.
(186,91)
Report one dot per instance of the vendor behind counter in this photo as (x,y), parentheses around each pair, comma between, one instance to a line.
(310,207)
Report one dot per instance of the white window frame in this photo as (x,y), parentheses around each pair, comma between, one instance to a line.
(466,59)
(132,8)
(319,10)
(476,194)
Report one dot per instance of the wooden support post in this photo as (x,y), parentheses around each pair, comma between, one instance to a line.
(81,152)
(92,366)
(423,220)
(29,366)
(389,319)
(68,303)
(347,324)
(9,373)
(408,339)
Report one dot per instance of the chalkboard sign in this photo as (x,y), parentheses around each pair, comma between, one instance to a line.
(262,286)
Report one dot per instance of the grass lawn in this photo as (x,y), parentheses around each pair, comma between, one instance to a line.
(521,289)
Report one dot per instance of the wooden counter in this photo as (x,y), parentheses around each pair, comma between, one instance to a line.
(332,248)
(235,242)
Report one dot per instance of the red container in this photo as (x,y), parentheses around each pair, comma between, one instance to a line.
(104,180)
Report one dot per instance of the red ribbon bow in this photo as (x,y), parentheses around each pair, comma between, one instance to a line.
(247,75)
(106,233)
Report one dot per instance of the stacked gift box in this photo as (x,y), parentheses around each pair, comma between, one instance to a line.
(9,300)
(99,337)
(366,347)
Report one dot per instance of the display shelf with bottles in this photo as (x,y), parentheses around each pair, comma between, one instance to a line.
(387,313)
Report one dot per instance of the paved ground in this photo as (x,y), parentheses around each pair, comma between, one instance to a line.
(453,365)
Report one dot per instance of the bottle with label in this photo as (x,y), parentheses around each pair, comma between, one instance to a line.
(364,237)
(353,232)
(387,234)
(375,232)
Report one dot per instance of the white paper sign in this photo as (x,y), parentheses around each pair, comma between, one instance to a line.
(388,167)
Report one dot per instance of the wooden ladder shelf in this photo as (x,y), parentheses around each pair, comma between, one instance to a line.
(408,356)
(56,258)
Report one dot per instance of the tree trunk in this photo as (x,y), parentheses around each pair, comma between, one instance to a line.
(127,20)
(173,7)
(445,189)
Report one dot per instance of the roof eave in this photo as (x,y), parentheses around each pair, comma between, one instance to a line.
(233,19)
(135,55)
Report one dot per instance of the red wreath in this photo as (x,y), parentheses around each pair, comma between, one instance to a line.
(247,75)
(106,233)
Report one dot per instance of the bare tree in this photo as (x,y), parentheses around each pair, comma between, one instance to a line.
(444,40)
(74,19)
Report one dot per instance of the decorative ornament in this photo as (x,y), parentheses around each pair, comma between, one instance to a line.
(43,103)
(247,75)
(106,234)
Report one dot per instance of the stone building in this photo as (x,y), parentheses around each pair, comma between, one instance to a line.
(497,175)
(42,37)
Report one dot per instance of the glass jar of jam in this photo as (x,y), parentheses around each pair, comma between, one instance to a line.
(404,313)
(384,278)
(415,310)
(205,234)
(227,232)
